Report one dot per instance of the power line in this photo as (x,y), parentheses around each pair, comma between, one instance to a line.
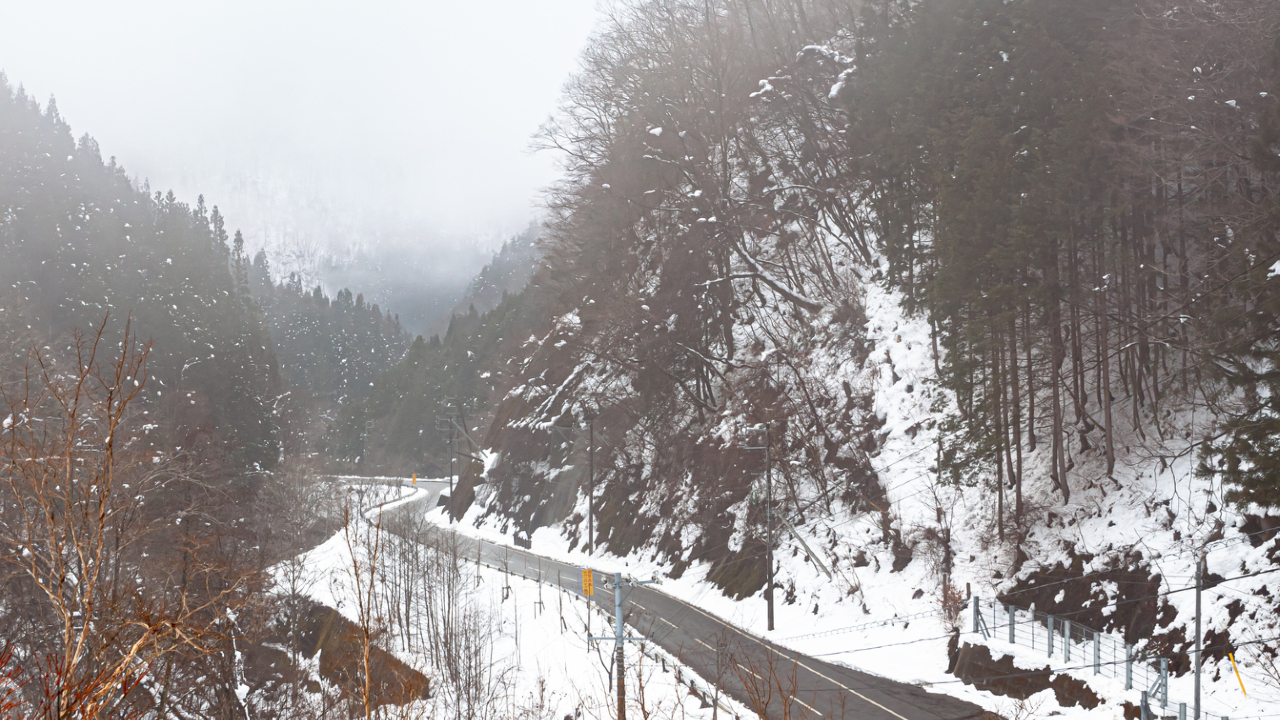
(691,603)
(745,558)
(1234,539)
(1090,666)
(1027,673)
(878,623)
(1033,673)
(881,647)
(1063,615)
(1163,594)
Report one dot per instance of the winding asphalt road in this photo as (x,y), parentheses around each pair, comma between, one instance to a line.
(749,669)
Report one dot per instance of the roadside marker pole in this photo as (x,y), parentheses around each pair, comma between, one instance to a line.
(1233,667)
(588,589)
(560,599)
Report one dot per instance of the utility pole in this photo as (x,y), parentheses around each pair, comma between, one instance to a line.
(619,638)
(447,422)
(1195,713)
(768,513)
(618,656)
(591,484)
(768,517)
(458,431)
(453,437)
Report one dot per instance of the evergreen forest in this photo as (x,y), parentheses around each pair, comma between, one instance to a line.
(976,287)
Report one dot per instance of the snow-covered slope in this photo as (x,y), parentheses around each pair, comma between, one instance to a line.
(529,638)
(906,550)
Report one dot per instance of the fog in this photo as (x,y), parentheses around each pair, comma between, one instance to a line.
(316,126)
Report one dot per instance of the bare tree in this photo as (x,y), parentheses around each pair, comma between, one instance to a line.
(97,620)
(768,681)
(364,543)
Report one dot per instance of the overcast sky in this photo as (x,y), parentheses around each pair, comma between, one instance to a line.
(308,112)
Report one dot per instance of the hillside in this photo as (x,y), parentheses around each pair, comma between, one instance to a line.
(81,243)
(935,338)
(996,277)
(237,363)
(506,274)
(160,396)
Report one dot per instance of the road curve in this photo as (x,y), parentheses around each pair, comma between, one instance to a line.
(751,670)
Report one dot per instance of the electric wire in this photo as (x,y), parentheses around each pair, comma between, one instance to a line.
(689,606)
(1234,540)
(1065,615)
(1090,666)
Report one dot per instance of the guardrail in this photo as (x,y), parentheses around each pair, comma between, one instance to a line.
(684,675)
(1081,649)
(687,677)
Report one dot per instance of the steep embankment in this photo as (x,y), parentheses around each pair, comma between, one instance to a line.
(904,549)
(988,332)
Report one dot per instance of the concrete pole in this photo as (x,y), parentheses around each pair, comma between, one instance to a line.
(617,627)
(453,434)
(591,484)
(1195,712)
(768,520)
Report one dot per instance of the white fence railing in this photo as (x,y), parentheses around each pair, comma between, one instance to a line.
(1072,647)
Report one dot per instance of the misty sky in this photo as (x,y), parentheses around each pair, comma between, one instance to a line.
(303,115)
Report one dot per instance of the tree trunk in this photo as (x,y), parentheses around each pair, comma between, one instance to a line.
(1057,356)
(1104,365)
(1031,388)
(1017,419)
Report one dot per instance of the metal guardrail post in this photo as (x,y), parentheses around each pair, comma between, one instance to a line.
(1154,677)
(975,613)
(1128,666)
(1049,622)
(1164,682)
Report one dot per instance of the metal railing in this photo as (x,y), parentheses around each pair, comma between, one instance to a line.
(1081,650)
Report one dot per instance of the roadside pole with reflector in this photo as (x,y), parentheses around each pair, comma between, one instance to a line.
(588,589)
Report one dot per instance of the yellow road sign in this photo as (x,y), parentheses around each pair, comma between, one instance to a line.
(588,582)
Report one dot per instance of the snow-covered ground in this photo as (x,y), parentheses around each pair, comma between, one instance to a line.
(893,623)
(896,624)
(540,661)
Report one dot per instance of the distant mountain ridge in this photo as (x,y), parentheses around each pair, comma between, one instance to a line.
(234,356)
(510,270)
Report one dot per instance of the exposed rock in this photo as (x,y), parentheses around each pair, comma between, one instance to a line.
(974,665)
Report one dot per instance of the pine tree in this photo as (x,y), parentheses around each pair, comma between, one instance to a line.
(1246,453)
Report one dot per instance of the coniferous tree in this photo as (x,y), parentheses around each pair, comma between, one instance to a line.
(1246,452)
